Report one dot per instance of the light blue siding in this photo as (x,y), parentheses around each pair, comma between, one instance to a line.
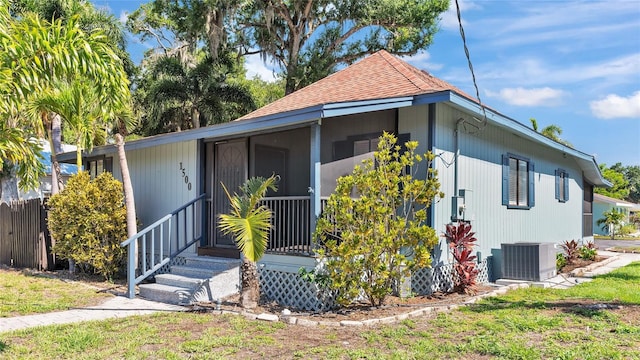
(480,172)
(159,186)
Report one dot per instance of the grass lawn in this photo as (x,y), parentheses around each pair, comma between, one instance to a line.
(595,320)
(24,294)
(607,237)
(625,249)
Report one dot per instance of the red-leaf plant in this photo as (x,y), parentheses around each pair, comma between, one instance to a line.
(461,242)
(571,250)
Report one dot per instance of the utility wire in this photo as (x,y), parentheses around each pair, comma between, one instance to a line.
(473,75)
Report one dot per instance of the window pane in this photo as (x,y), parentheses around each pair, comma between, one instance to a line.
(99,167)
(92,169)
(360,147)
(561,185)
(523,184)
(513,181)
(374,144)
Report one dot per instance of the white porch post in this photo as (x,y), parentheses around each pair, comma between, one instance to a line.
(314,179)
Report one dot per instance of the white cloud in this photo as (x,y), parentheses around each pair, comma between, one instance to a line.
(449,19)
(538,72)
(421,61)
(615,106)
(124,15)
(545,96)
(255,66)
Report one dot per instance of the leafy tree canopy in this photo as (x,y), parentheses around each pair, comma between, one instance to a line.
(306,39)
(178,93)
(88,17)
(632,176)
(620,188)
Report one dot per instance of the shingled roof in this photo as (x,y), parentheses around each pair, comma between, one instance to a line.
(378,76)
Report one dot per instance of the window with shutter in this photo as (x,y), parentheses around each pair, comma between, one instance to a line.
(562,185)
(517,182)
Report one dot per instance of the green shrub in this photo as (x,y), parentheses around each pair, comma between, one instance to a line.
(561,261)
(371,241)
(588,251)
(626,230)
(88,221)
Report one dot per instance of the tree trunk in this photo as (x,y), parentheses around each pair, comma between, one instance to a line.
(54,130)
(130,204)
(129,201)
(195,118)
(55,143)
(250,294)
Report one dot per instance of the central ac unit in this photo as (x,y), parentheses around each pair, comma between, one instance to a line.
(528,261)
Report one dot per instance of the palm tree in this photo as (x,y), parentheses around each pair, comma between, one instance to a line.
(81,109)
(249,223)
(35,54)
(552,132)
(40,54)
(193,93)
(611,221)
(21,155)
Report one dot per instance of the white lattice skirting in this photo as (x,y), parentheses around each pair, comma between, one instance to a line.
(440,278)
(166,268)
(289,289)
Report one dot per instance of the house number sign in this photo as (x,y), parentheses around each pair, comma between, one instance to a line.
(183,172)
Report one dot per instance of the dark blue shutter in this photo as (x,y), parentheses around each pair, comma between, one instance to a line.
(557,185)
(505,180)
(532,193)
(566,187)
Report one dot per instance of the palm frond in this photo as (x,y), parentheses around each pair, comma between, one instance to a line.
(248,221)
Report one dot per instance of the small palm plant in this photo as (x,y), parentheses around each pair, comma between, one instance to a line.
(249,223)
(611,221)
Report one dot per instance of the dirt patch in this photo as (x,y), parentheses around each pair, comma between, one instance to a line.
(356,312)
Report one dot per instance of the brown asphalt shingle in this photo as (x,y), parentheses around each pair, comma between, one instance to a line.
(378,76)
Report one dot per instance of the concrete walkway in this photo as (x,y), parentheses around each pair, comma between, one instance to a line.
(120,306)
(578,276)
(115,307)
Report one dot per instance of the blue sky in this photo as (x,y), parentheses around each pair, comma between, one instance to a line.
(573,64)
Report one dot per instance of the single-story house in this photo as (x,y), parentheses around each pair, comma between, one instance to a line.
(602,204)
(510,182)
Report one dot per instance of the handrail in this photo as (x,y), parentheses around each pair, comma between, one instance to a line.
(183,237)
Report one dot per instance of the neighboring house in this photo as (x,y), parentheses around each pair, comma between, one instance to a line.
(512,183)
(602,204)
(11,191)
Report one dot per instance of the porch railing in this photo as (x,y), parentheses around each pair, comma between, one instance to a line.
(291,231)
(158,243)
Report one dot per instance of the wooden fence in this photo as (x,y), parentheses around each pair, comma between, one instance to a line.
(24,238)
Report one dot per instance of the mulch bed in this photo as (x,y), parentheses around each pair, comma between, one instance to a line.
(579,263)
(359,311)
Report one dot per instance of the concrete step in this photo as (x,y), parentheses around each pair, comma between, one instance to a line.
(202,279)
(194,272)
(191,283)
(165,293)
(213,263)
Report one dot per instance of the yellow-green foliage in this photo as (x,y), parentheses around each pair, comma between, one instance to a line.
(88,221)
(372,240)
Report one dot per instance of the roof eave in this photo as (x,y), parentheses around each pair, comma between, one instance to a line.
(587,162)
(230,129)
